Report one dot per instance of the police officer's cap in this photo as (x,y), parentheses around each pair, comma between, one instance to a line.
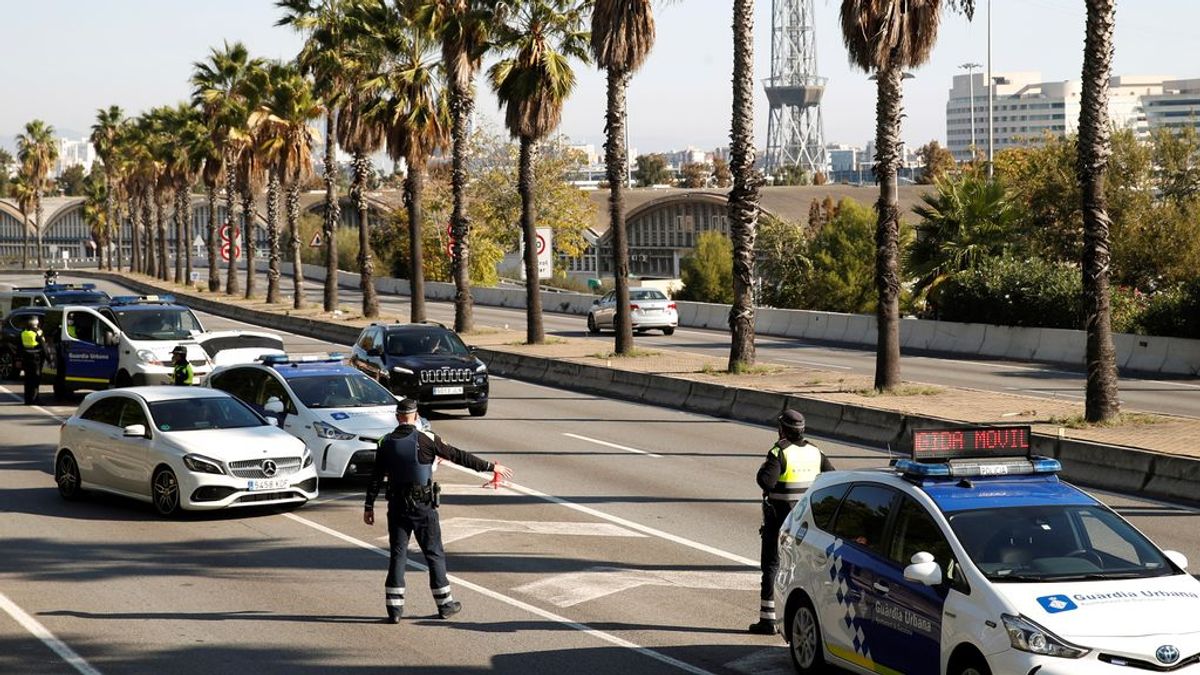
(179,349)
(406,406)
(792,420)
(33,321)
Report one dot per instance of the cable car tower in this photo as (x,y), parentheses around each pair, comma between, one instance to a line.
(795,132)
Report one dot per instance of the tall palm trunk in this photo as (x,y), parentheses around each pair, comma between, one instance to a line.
(461,103)
(135,244)
(616,165)
(24,240)
(887,231)
(214,275)
(37,209)
(160,220)
(232,286)
(273,237)
(120,254)
(416,275)
(743,198)
(1094,148)
(293,218)
(366,265)
(189,233)
(332,217)
(180,238)
(534,332)
(148,233)
(248,238)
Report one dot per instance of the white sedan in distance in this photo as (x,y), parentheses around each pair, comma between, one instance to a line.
(188,448)
(649,309)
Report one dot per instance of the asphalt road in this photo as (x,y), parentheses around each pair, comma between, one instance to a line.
(627,544)
(1167,395)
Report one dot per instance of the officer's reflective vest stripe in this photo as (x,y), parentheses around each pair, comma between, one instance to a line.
(29,338)
(183,373)
(801,464)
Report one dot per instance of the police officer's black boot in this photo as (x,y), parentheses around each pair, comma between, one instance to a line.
(394,615)
(449,609)
(763,627)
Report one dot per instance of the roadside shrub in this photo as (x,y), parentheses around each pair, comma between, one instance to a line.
(1015,292)
(1173,312)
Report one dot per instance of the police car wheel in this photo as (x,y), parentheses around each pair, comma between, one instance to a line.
(66,476)
(165,492)
(971,665)
(804,642)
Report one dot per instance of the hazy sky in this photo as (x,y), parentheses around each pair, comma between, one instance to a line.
(60,60)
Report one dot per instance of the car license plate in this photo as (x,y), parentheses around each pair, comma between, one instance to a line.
(653,310)
(447,391)
(266,484)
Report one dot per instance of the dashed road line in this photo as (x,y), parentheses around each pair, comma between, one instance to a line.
(40,632)
(612,445)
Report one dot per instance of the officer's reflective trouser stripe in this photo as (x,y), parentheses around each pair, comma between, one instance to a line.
(767,610)
(393,596)
(442,595)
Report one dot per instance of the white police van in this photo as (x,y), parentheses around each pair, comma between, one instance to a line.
(973,558)
(337,411)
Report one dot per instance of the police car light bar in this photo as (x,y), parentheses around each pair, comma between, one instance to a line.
(142,299)
(285,359)
(974,468)
(55,288)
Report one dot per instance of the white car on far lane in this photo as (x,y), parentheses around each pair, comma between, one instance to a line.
(179,448)
(649,308)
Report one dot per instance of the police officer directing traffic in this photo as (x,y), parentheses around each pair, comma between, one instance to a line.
(181,371)
(33,343)
(790,467)
(405,459)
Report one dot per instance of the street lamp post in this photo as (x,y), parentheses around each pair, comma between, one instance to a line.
(991,88)
(970,68)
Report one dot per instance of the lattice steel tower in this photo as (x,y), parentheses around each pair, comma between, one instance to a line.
(795,132)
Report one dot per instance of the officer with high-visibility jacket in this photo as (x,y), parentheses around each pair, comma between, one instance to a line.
(33,344)
(790,467)
(181,371)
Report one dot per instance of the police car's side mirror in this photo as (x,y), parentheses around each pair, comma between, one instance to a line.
(1178,558)
(135,431)
(923,570)
(273,406)
(273,421)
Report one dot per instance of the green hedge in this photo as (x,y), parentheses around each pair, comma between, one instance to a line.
(1014,292)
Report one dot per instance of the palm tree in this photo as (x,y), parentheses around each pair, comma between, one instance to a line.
(532,85)
(249,161)
(886,37)
(464,29)
(743,197)
(322,57)
(219,90)
(24,193)
(104,136)
(96,211)
(37,149)
(416,119)
(622,37)
(190,150)
(1102,403)
(359,134)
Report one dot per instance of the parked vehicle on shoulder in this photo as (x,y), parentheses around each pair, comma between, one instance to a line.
(180,448)
(649,309)
(426,362)
(973,558)
(338,412)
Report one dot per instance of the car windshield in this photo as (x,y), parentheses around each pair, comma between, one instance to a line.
(167,323)
(1056,543)
(340,391)
(646,295)
(79,298)
(413,343)
(198,414)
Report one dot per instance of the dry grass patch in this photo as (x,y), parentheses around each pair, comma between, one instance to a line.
(902,390)
(1122,420)
(631,354)
(740,369)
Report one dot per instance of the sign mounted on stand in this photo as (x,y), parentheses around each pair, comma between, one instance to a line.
(545,252)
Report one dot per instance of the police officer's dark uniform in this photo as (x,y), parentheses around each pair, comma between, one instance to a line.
(405,458)
(181,371)
(33,345)
(790,467)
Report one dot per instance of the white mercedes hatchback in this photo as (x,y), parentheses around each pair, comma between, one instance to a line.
(180,448)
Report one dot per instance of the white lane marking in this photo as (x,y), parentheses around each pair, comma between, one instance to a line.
(568,590)
(21,397)
(455,529)
(513,602)
(811,363)
(40,632)
(612,445)
(769,661)
(683,541)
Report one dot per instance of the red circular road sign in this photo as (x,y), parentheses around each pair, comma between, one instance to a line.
(225,249)
(450,248)
(541,244)
(227,231)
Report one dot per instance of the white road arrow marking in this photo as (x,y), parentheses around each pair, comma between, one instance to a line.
(568,590)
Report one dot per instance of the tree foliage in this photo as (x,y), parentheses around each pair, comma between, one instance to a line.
(652,170)
(695,175)
(936,163)
(70,182)
(708,271)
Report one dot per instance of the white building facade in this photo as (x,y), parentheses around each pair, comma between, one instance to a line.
(74,153)
(1176,107)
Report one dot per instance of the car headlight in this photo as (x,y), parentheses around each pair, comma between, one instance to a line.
(148,357)
(1027,636)
(331,432)
(401,370)
(481,368)
(202,464)
(307,461)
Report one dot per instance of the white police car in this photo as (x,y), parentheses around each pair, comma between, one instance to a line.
(975,559)
(337,411)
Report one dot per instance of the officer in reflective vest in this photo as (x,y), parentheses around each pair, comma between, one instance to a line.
(790,467)
(32,346)
(405,459)
(181,371)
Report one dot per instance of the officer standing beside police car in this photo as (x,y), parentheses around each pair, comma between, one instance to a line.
(33,344)
(789,468)
(405,461)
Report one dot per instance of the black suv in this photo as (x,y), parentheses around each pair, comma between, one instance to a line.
(424,361)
